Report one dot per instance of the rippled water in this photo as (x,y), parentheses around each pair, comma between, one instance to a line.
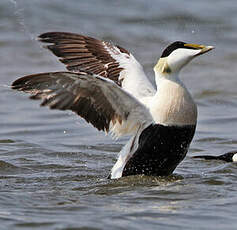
(53,166)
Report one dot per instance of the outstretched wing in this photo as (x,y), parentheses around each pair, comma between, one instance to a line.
(82,53)
(99,101)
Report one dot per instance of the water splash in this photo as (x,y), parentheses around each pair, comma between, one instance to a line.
(20,19)
(5,86)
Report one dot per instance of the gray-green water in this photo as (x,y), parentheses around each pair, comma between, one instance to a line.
(53,165)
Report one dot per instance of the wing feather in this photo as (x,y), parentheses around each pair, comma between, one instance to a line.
(82,53)
(77,52)
(99,101)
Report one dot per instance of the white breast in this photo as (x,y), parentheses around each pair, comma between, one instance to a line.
(173,104)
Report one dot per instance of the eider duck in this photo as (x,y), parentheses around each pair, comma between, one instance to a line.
(107,87)
(227,157)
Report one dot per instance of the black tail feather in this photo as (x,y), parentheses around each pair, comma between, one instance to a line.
(207,157)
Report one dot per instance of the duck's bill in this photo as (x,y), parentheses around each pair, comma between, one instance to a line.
(206,49)
(203,49)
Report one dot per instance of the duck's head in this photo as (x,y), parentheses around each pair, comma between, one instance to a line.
(177,55)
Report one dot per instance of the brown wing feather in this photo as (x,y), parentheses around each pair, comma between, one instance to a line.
(80,92)
(82,53)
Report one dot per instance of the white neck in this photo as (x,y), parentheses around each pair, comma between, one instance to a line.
(172,77)
(172,104)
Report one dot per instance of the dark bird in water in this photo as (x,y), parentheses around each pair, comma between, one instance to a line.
(228,157)
(107,87)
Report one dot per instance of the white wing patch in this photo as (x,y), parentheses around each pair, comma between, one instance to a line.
(132,75)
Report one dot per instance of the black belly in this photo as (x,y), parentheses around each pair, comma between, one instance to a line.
(160,149)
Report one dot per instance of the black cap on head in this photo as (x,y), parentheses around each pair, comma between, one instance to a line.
(169,49)
(175,46)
